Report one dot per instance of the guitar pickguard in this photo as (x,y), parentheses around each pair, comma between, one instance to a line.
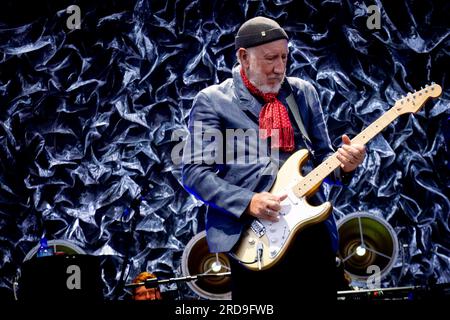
(292,215)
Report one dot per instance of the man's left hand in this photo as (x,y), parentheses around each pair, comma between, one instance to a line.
(350,155)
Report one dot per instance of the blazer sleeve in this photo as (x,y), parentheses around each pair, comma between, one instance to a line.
(200,170)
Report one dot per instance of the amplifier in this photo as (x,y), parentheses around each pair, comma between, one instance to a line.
(61,277)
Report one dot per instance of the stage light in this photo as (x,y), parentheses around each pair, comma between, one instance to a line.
(197,260)
(366,240)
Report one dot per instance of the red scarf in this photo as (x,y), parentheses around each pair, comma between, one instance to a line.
(273,115)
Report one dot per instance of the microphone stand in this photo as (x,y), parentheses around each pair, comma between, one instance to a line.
(135,206)
(154,282)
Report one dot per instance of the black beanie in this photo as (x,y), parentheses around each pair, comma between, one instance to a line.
(257,31)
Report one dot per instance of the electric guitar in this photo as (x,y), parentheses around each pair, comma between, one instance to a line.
(264,242)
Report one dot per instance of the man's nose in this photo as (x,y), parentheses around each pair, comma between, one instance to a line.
(279,66)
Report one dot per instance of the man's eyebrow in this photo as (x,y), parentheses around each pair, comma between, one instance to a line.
(273,54)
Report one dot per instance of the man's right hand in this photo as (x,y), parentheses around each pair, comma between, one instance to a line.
(265,205)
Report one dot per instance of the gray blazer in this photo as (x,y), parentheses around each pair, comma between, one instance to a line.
(228,186)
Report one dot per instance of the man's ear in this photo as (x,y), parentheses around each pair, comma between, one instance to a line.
(244,58)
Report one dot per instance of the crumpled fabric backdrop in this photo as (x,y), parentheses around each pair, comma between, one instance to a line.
(87,117)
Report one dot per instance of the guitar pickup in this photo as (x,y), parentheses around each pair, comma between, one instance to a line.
(258,228)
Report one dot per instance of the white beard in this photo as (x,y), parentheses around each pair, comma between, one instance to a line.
(270,89)
(255,79)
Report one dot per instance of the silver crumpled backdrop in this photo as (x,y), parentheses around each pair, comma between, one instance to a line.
(87,117)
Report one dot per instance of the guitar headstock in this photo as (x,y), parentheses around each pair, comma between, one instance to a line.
(414,101)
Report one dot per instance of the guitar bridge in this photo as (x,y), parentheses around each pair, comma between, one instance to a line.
(258,228)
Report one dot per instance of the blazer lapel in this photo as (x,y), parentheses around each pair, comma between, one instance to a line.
(247,102)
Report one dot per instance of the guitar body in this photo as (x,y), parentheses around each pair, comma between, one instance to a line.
(273,238)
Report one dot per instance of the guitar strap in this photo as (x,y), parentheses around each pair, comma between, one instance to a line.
(295,111)
(298,119)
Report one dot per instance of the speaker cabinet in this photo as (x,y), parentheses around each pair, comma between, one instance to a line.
(69,275)
(61,278)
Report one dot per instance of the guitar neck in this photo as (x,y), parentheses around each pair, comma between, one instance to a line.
(315,177)
(376,127)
